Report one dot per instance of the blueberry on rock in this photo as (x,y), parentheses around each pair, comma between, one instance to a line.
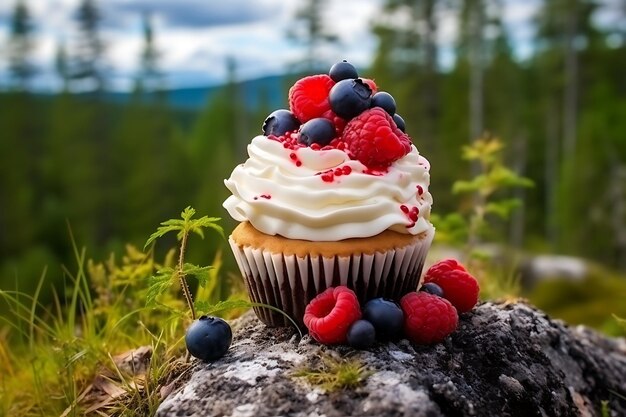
(432,288)
(318,130)
(280,122)
(361,334)
(385,101)
(342,71)
(208,338)
(349,98)
(399,122)
(386,317)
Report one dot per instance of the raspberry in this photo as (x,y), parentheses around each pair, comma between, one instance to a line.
(308,97)
(371,84)
(427,318)
(329,315)
(374,139)
(458,285)
(339,123)
(443,267)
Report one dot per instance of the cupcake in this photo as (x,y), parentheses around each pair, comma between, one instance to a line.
(333,193)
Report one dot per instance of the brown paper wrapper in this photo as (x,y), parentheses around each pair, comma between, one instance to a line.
(289,282)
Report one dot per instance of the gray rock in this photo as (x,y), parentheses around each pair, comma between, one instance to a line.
(504,360)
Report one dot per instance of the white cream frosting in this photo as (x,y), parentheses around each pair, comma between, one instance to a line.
(303,206)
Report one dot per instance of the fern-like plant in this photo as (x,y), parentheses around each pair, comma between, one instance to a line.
(183,228)
(492,177)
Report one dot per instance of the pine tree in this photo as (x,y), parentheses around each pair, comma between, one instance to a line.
(406,64)
(87,67)
(17,166)
(564,31)
(61,66)
(150,78)
(309,29)
(20,47)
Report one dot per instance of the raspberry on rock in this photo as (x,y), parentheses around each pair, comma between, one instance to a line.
(329,315)
(375,140)
(427,318)
(308,97)
(458,285)
(443,267)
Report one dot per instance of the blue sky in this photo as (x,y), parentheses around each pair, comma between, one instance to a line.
(196,36)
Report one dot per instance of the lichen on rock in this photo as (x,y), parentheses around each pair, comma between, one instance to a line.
(504,360)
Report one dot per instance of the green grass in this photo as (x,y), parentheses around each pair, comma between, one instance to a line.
(57,360)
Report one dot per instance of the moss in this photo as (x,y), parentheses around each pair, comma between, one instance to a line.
(332,374)
(592,301)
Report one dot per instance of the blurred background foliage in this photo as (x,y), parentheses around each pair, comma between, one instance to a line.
(528,175)
(110,167)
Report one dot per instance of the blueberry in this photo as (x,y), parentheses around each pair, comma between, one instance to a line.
(361,334)
(319,130)
(342,71)
(399,122)
(385,101)
(432,288)
(280,122)
(386,317)
(349,98)
(208,338)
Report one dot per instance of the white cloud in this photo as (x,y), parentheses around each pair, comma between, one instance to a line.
(199,49)
(195,52)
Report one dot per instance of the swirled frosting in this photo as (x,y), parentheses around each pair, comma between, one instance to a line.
(282,191)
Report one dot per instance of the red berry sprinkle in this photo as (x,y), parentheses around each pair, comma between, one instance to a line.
(329,315)
(374,139)
(427,317)
(375,172)
(412,214)
(328,176)
(458,285)
(420,190)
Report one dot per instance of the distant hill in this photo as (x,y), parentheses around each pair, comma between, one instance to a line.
(270,90)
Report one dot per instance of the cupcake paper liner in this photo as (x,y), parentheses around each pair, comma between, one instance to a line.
(289,282)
